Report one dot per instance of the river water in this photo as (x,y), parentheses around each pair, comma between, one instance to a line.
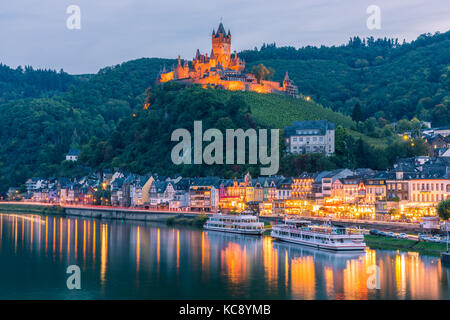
(136,260)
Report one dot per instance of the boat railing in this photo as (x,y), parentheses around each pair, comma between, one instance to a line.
(324,230)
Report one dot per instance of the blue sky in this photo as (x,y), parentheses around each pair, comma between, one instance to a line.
(34,32)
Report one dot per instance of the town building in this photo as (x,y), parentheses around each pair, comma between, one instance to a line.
(326,181)
(181,199)
(443,131)
(302,186)
(161,193)
(137,191)
(310,137)
(73,155)
(204,194)
(376,187)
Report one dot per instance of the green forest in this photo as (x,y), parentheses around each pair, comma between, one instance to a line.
(390,80)
(44,113)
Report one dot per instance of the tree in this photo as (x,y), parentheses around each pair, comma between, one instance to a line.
(357,114)
(443,209)
(261,72)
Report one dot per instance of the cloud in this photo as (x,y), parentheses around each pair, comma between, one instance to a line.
(34,33)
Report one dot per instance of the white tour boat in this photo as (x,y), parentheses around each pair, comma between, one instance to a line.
(321,237)
(243,223)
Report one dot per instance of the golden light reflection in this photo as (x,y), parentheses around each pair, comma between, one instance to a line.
(31,235)
(303,278)
(46,234)
(157,250)
(15,234)
(68,238)
(54,237)
(60,237)
(234,262)
(76,239)
(103,252)
(422,279)
(286,269)
(329,281)
(94,242)
(39,233)
(138,248)
(355,280)
(206,258)
(400,274)
(23,230)
(178,250)
(84,242)
(270,263)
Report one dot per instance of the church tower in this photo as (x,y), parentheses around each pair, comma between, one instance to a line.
(221,45)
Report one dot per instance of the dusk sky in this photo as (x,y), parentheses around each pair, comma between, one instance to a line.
(113,31)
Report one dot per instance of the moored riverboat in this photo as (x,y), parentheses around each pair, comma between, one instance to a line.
(244,223)
(327,236)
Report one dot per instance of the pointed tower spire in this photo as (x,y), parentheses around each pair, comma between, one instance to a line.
(221,29)
(179,60)
(286,77)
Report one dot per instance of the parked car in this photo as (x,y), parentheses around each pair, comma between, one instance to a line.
(402,236)
(391,234)
(374,232)
(382,233)
(423,237)
(444,239)
(434,239)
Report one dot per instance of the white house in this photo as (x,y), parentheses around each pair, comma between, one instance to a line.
(161,192)
(73,155)
(310,137)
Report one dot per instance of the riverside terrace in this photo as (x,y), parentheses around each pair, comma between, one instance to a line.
(408,192)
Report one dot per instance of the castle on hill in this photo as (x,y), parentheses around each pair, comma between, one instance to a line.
(224,70)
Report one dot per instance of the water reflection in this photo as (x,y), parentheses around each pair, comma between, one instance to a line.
(142,260)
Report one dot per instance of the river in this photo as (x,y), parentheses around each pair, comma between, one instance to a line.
(137,260)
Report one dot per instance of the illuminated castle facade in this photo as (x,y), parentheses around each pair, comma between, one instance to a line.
(224,70)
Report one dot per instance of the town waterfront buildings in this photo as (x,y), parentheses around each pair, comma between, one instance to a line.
(224,70)
(407,192)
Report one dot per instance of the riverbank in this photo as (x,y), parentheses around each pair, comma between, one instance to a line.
(428,248)
(198,221)
(32,209)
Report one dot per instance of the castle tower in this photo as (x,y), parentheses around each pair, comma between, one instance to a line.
(289,86)
(221,45)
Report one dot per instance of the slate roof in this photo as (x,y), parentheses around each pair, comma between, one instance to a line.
(74,152)
(221,29)
(321,125)
(161,186)
(206,181)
